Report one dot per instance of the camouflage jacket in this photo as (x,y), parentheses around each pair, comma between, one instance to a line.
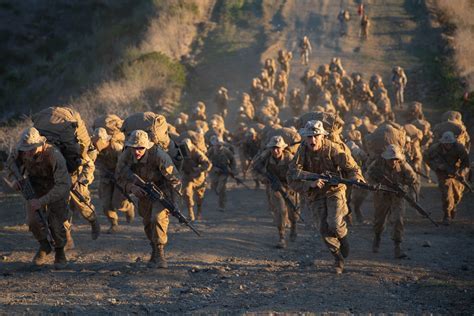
(107,159)
(267,163)
(402,174)
(47,173)
(447,164)
(155,166)
(195,165)
(330,158)
(222,158)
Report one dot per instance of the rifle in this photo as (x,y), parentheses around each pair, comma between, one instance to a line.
(399,190)
(80,197)
(109,175)
(155,194)
(333,179)
(28,194)
(276,186)
(226,171)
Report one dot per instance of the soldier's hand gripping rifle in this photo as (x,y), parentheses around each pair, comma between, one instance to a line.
(332,179)
(276,186)
(156,194)
(226,171)
(403,194)
(111,176)
(29,194)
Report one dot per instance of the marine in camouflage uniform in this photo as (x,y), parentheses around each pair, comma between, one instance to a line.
(45,168)
(399,81)
(152,164)
(275,160)
(113,200)
(194,171)
(391,165)
(296,101)
(223,162)
(281,88)
(305,50)
(284,58)
(222,100)
(327,202)
(450,160)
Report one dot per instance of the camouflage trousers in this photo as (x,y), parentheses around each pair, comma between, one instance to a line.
(218,185)
(451,194)
(329,212)
(304,56)
(389,206)
(399,96)
(194,188)
(55,214)
(113,200)
(155,218)
(281,211)
(358,197)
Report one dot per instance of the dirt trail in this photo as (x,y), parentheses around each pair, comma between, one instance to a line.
(234,267)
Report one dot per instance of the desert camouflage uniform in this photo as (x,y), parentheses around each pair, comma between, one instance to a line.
(296,102)
(195,168)
(448,165)
(223,161)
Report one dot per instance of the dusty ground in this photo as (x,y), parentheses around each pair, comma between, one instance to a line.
(234,267)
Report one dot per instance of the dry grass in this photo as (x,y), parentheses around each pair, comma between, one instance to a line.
(461,14)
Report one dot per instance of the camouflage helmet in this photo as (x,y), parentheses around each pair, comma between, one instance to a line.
(30,139)
(313,128)
(100,133)
(137,139)
(277,141)
(448,138)
(392,152)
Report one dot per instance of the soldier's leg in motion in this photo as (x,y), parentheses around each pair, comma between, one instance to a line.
(189,198)
(39,231)
(87,210)
(382,204)
(451,194)
(292,216)
(200,191)
(68,227)
(397,214)
(358,197)
(121,204)
(278,209)
(221,191)
(160,222)
(57,214)
(106,191)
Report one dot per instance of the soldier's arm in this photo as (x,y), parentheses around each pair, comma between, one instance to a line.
(348,165)
(168,169)
(464,157)
(203,162)
(258,163)
(294,167)
(86,176)
(409,176)
(62,180)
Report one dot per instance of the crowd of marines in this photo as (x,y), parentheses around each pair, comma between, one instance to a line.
(342,127)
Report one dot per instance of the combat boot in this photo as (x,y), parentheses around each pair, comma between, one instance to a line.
(42,254)
(113,227)
(338,263)
(161,262)
(60,261)
(69,240)
(282,243)
(376,243)
(95,229)
(130,215)
(399,253)
(154,253)
(199,212)
(293,233)
(344,248)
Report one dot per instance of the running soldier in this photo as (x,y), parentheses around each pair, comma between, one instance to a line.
(327,202)
(45,169)
(305,50)
(284,59)
(272,164)
(223,164)
(195,168)
(399,82)
(222,100)
(450,160)
(364,27)
(392,166)
(112,197)
(152,164)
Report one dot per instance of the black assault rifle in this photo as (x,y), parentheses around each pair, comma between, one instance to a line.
(403,194)
(110,175)
(333,179)
(155,194)
(226,171)
(276,186)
